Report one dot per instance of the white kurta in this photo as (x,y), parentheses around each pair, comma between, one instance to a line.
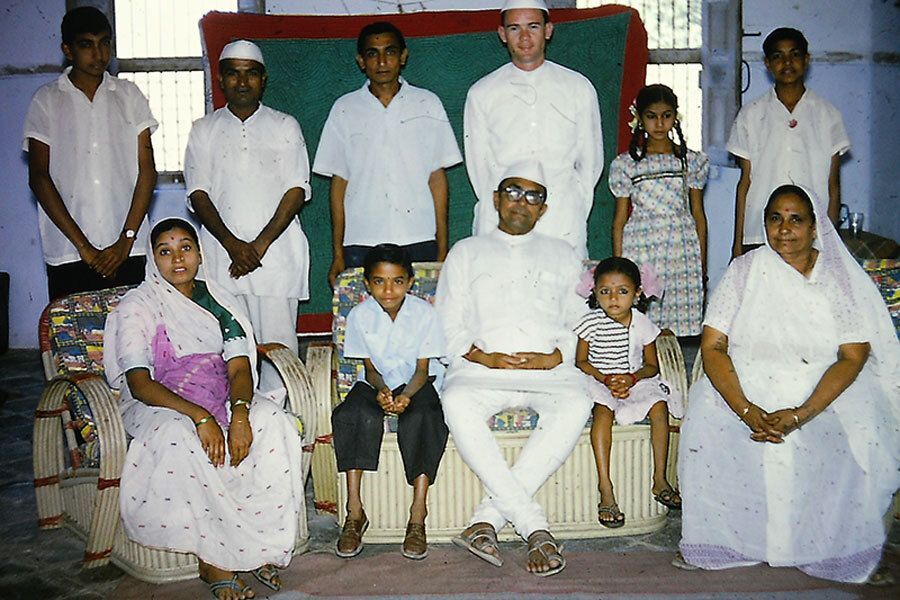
(551,115)
(93,159)
(780,153)
(246,167)
(507,293)
(387,154)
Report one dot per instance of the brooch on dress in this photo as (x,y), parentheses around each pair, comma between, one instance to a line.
(792,123)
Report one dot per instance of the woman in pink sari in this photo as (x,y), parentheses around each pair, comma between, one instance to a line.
(214,468)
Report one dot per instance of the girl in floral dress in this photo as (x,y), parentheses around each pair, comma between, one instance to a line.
(659,218)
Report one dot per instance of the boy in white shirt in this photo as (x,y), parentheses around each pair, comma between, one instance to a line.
(399,339)
(90,164)
(789,135)
(385,147)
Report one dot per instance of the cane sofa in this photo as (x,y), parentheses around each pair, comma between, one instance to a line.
(569,497)
(79,440)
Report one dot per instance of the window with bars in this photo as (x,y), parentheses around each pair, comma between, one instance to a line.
(158,48)
(674,36)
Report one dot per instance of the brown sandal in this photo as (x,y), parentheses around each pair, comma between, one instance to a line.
(415,545)
(350,544)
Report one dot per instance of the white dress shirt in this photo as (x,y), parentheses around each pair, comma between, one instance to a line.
(93,159)
(386,154)
(785,147)
(551,115)
(246,167)
(395,346)
(510,293)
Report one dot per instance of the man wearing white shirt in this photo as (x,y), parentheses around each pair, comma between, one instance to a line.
(534,109)
(90,165)
(247,176)
(507,303)
(385,147)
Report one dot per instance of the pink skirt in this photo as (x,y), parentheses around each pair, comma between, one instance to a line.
(643,395)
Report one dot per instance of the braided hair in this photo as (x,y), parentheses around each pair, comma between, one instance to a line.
(651,94)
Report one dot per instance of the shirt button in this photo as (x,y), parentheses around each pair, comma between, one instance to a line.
(96,182)
(94,144)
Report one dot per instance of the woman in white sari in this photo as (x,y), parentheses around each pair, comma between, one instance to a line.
(214,468)
(790,447)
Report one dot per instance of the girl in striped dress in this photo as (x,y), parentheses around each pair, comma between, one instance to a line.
(617,348)
(659,218)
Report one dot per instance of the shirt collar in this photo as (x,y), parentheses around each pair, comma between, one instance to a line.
(512,240)
(251,118)
(66,85)
(400,93)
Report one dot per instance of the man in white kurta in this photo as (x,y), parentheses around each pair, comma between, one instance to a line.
(507,303)
(247,175)
(534,109)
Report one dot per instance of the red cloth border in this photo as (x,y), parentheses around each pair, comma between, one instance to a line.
(220,28)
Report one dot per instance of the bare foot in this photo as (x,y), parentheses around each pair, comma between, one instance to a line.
(544,554)
(225,585)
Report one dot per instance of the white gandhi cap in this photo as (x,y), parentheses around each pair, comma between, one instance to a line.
(537,4)
(242,49)
(526,169)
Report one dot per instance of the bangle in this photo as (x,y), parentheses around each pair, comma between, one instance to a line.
(203,420)
(746,410)
(239,402)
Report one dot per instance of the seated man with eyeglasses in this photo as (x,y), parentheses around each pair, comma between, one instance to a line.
(507,303)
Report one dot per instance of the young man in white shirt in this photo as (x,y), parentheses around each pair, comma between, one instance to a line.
(90,164)
(247,176)
(385,147)
(534,109)
(507,303)
(788,135)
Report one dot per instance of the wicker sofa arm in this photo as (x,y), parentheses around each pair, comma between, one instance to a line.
(301,395)
(48,463)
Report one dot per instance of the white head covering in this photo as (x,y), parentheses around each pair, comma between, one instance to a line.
(242,49)
(513,4)
(532,170)
(191,328)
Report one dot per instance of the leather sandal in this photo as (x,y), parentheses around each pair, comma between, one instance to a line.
(539,542)
(415,544)
(350,544)
(478,540)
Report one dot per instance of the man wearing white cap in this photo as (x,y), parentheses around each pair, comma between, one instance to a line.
(247,176)
(531,108)
(507,303)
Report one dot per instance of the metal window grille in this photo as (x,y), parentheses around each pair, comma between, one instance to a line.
(158,48)
(674,36)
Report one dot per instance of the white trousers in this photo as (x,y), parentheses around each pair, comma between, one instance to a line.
(510,490)
(273,320)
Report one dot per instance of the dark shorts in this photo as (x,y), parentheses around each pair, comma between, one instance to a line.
(418,252)
(70,278)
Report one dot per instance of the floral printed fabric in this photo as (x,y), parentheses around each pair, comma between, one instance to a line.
(662,232)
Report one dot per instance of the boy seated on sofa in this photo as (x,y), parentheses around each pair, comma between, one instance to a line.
(399,339)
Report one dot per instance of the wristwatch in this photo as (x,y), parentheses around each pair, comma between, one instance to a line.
(129,234)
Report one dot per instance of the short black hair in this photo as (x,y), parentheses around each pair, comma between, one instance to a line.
(170,224)
(790,189)
(84,19)
(785,33)
(386,253)
(376,28)
(622,266)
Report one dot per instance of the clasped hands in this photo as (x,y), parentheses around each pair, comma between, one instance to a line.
(620,384)
(245,256)
(516,360)
(770,427)
(389,404)
(108,260)
(240,437)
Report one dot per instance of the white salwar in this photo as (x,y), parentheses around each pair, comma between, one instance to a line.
(512,293)
(172,497)
(815,501)
(550,115)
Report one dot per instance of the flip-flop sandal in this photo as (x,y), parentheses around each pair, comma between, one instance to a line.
(882,577)
(667,498)
(266,575)
(353,529)
(227,584)
(548,556)
(618,517)
(679,563)
(479,539)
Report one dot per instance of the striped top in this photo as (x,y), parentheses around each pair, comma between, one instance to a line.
(612,347)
